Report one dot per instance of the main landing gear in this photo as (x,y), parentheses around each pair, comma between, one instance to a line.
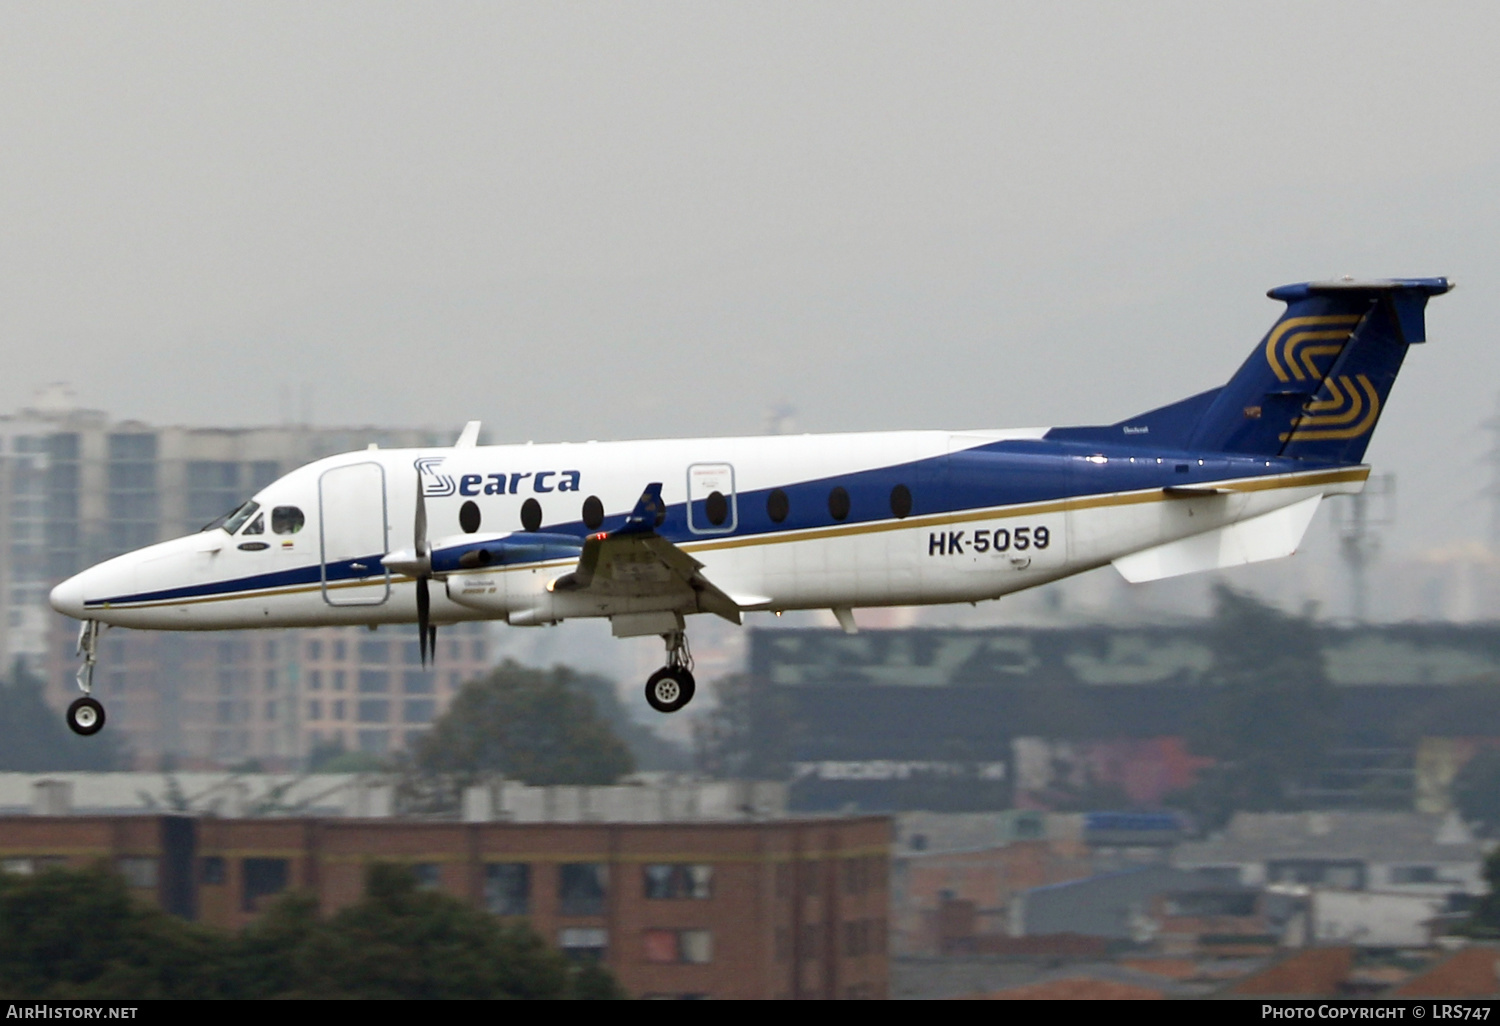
(672,687)
(86,715)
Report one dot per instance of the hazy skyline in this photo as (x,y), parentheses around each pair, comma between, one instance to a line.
(606,221)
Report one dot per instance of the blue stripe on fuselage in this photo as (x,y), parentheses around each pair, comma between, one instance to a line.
(1004,473)
(338,572)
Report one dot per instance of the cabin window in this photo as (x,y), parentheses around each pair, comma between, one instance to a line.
(287,520)
(593,513)
(531,515)
(901,502)
(716,508)
(468,517)
(777,506)
(838,504)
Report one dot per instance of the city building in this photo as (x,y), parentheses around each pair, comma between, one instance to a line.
(271,697)
(708,908)
(77,487)
(958,879)
(1095,716)
(1395,853)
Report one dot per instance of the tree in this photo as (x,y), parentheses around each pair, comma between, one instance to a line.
(404,942)
(81,935)
(648,749)
(75,935)
(333,757)
(526,724)
(1484,921)
(34,738)
(1272,714)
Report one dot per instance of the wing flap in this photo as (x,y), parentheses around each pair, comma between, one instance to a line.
(636,562)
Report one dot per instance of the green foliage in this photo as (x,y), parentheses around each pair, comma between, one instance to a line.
(648,749)
(77,935)
(591,982)
(400,942)
(35,739)
(81,935)
(1484,921)
(1272,715)
(333,757)
(532,725)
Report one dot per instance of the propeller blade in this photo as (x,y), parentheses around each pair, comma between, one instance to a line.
(420,530)
(426,631)
(424,609)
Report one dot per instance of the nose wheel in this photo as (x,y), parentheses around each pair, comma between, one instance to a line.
(672,687)
(86,716)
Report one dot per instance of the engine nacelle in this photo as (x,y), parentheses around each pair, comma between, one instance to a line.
(472,552)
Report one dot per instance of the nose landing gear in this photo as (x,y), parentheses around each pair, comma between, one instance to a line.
(86,714)
(672,687)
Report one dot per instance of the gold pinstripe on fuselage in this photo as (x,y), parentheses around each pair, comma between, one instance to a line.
(1300,479)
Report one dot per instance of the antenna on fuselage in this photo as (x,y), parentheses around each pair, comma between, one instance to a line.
(468,438)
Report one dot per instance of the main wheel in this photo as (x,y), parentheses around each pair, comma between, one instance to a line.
(669,690)
(86,716)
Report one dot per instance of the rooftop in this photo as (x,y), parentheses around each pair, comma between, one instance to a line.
(1385,837)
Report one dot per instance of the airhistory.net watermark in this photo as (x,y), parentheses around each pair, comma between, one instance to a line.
(41,1010)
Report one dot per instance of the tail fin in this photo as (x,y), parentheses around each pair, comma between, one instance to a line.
(1315,386)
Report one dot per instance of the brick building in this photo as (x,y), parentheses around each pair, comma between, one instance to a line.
(786,908)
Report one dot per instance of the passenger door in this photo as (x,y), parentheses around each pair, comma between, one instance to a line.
(352,534)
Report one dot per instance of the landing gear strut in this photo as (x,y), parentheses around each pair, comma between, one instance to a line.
(672,687)
(86,715)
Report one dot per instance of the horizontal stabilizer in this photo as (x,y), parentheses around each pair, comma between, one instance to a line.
(1268,536)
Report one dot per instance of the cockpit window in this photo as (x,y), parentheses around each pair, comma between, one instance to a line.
(232,522)
(286,520)
(258,525)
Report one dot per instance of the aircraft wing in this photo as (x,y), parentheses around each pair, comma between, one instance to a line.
(634,561)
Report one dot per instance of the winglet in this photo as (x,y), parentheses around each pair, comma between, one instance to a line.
(648,514)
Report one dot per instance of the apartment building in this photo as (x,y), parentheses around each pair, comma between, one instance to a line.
(77,487)
(747,908)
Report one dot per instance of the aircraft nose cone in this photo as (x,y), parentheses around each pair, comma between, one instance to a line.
(67,597)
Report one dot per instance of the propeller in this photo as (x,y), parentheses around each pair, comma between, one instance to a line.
(427,633)
(417,564)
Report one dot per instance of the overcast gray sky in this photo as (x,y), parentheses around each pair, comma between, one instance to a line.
(604,221)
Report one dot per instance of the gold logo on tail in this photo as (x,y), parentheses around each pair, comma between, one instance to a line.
(1295,345)
(1351,409)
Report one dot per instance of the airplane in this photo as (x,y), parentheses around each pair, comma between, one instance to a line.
(647,533)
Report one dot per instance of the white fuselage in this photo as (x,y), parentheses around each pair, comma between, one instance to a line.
(990,513)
